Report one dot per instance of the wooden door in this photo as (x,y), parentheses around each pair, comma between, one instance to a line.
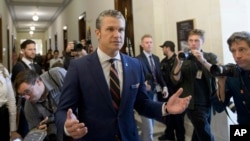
(125,6)
(82,27)
(65,39)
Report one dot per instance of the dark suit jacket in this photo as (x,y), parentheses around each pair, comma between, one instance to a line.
(86,90)
(188,77)
(147,72)
(20,66)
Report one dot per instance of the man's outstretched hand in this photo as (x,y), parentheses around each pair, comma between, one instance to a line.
(177,105)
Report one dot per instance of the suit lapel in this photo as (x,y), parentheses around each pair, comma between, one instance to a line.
(98,76)
(126,85)
(145,59)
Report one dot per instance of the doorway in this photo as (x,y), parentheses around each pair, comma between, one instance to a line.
(82,26)
(125,7)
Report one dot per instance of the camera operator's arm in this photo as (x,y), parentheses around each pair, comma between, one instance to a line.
(221,81)
(177,69)
(201,59)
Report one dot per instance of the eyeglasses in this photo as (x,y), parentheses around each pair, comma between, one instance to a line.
(27,91)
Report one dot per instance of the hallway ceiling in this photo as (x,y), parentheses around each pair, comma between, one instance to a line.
(22,11)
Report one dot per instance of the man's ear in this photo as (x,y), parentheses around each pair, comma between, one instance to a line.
(97,33)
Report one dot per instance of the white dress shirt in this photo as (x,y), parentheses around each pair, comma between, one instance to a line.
(27,62)
(104,60)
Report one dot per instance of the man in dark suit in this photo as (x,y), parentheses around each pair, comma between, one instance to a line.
(88,109)
(152,73)
(28,47)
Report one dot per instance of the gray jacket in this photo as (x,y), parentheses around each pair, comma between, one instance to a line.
(36,112)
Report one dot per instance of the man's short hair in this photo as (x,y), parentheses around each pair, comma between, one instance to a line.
(239,36)
(146,36)
(27,42)
(108,13)
(27,76)
(198,32)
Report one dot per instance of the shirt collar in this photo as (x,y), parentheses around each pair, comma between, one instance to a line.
(147,54)
(104,57)
(26,61)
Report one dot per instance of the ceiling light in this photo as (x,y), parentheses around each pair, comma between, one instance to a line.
(31,32)
(35,17)
(32,28)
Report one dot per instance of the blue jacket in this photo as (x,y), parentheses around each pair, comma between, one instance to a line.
(86,90)
(238,88)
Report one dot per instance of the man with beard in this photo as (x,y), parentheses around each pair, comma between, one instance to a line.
(28,47)
(174,123)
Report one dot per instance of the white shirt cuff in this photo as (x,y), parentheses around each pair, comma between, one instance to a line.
(164,113)
(65,131)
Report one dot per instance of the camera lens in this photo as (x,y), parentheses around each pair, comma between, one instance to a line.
(216,70)
(182,56)
(226,70)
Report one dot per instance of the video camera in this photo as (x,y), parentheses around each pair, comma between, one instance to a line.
(185,55)
(230,69)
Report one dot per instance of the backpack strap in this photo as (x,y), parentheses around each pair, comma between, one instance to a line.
(54,81)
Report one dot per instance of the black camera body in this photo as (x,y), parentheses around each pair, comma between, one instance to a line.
(185,55)
(230,70)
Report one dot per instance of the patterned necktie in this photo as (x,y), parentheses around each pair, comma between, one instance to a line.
(32,66)
(152,66)
(114,85)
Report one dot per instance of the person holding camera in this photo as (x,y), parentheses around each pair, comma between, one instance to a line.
(237,86)
(69,53)
(42,96)
(191,72)
(80,50)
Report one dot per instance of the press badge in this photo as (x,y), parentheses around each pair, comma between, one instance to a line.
(199,74)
